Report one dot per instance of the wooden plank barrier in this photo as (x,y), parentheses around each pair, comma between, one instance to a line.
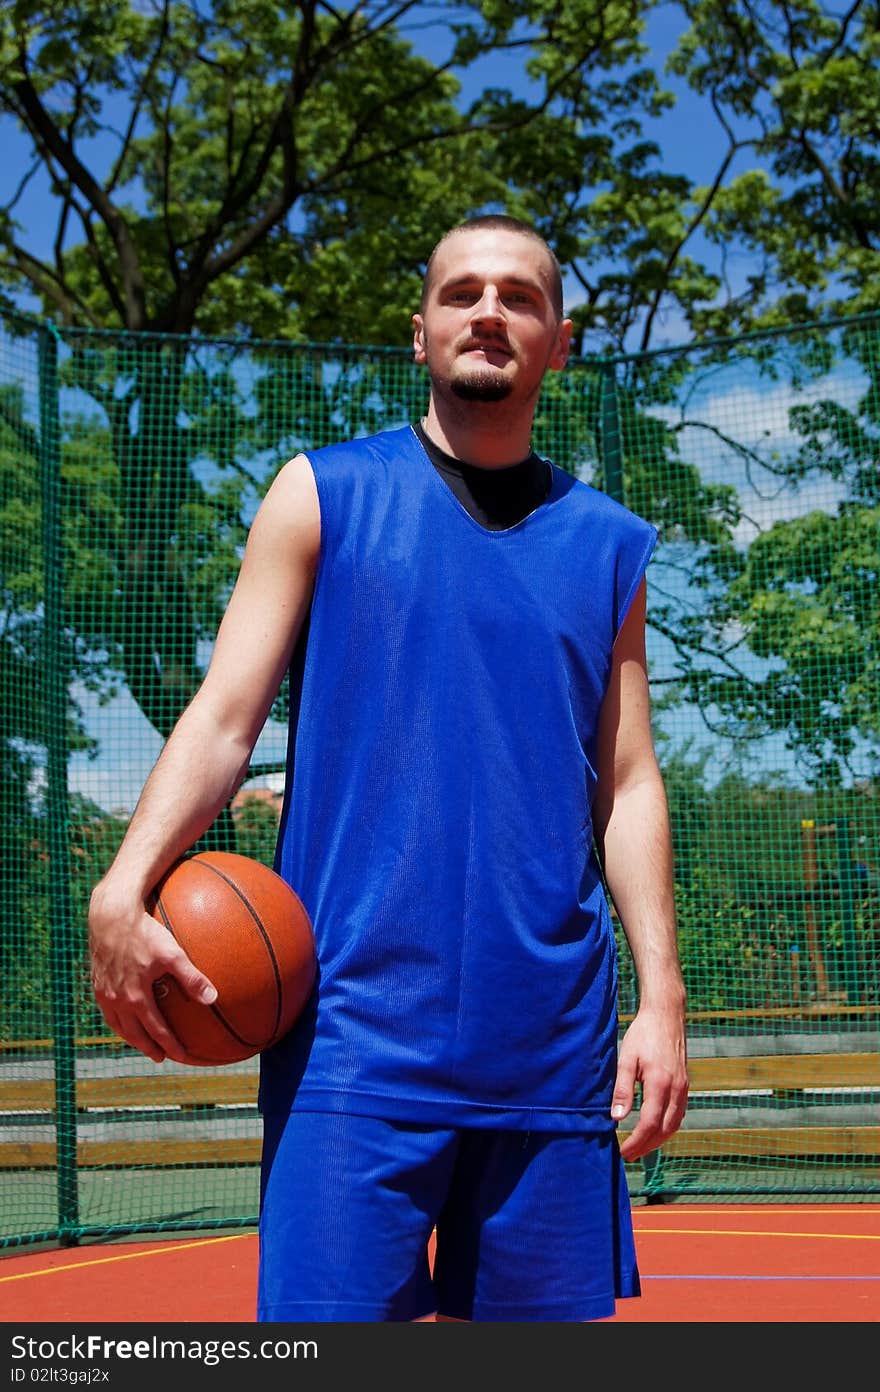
(179,1104)
(140,1090)
(117,1099)
(793,1081)
(784,1072)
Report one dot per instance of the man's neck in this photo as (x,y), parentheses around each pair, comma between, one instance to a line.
(480,432)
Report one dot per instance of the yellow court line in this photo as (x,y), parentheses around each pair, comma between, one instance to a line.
(758,1232)
(124,1256)
(236,1237)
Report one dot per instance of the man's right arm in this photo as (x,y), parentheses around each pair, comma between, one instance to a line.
(203,762)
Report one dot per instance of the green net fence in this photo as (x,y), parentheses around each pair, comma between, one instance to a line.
(130,468)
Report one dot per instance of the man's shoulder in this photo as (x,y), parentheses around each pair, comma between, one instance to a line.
(594,503)
(382,443)
(364,471)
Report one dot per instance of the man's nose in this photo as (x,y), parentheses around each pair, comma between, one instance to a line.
(488,309)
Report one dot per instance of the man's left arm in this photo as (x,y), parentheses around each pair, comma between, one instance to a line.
(633,837)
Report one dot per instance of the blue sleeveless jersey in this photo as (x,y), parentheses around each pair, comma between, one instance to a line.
(436,824)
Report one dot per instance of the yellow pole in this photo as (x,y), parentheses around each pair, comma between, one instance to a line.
(811,879)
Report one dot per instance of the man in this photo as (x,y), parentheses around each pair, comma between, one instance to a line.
(470,749)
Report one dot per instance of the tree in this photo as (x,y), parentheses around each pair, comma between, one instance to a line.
(796,89)
(272,172)
(23,701)
(282,172)
(807,596)
(231,174)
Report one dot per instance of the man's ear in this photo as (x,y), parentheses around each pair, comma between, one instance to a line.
(419,338)
(560,353)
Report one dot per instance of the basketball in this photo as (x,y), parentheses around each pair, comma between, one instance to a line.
(247,930)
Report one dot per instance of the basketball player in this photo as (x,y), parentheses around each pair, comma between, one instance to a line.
(470,755)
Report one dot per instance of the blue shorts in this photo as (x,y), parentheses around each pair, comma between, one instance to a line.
(530,1226)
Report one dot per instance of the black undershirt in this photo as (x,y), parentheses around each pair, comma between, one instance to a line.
(496,498)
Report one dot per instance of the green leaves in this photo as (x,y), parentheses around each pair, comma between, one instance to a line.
(281,173)
(274,171)
(797,90)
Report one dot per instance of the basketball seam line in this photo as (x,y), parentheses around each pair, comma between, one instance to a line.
(279,984)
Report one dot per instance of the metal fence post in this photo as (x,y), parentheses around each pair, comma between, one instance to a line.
(57,808)
(611,446)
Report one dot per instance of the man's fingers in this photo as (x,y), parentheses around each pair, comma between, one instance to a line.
(126,968)
(193,983)
(641,1140)
(623,1097)
(658,1120)
(142,1024)
(140,1039)
(129,1028)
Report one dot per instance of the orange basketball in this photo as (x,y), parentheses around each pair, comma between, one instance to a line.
(246,929)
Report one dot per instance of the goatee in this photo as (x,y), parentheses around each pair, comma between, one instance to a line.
(481,388)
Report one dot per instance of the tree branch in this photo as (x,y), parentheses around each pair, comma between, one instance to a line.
(47,282)
(41,123)
(139,99)
(734,146)
(101,266)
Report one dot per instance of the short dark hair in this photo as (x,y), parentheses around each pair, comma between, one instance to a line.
(502,222)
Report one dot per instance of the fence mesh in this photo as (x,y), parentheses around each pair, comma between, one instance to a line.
(130,468)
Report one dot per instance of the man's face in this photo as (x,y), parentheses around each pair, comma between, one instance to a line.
(488,330)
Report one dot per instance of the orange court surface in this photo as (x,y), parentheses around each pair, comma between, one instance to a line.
(700,1263)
